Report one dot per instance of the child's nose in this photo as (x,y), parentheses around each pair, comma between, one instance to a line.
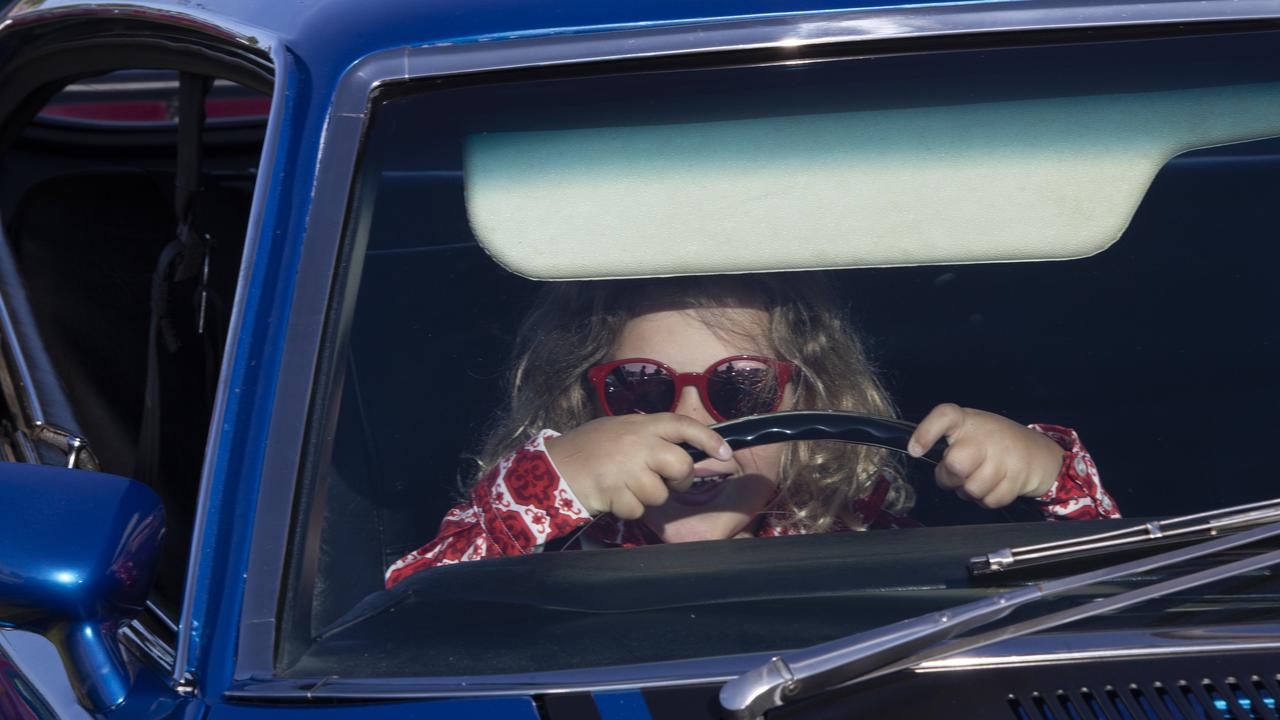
(690,404)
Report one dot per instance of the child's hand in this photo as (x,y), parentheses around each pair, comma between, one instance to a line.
(623,464)
(990,459)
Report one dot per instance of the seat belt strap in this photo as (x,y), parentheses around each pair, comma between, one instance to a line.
(192,91)
(179,259)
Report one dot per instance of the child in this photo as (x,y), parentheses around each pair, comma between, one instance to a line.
(613,364)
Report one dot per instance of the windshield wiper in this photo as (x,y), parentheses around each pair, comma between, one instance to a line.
(1179,529)
(819,668)
(1062,617)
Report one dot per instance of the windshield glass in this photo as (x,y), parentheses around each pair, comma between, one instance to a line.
(485,443)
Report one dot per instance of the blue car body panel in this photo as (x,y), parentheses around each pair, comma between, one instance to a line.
(54,586)
(313,44)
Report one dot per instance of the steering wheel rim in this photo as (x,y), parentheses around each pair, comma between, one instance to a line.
(838,425)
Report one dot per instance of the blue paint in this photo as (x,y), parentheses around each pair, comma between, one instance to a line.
(150,698)
(699,20)
(235,477)
(368,29)
(478,709)
(77,565)
(622,705)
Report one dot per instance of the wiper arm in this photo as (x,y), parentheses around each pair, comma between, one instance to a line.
(1062,617)
(821,667)
(1184,528)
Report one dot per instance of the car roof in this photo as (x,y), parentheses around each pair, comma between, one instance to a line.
(356,28)
(394,23)
(337,33)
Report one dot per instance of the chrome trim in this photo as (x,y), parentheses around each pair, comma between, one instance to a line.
(324,223)
(1038,649)
(76,448)
(146,643)
(34,410)
(1016,660)
(675,673)
(159,614)
(27,447)
(31,413)
(89,88)
(192,16)
(783,33)
(1209,524)
(183,675)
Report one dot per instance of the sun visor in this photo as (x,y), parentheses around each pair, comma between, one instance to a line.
(1032,179)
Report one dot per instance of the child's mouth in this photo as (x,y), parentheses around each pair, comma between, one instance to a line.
(703,490)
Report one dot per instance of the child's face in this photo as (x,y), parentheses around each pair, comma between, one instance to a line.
(679,338)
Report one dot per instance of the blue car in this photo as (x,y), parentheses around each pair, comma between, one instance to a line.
(263,268)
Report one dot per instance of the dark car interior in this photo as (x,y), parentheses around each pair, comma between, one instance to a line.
(1009,338)
(119,309)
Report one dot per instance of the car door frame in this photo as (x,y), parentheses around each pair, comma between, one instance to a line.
(89,40)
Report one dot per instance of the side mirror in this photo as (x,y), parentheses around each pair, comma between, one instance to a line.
(78,551)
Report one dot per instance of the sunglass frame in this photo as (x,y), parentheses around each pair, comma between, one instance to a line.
(783,370)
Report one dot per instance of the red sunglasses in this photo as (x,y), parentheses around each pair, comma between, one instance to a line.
(730,388)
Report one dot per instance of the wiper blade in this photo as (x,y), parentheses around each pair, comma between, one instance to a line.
(1180,529)
(1080,612)
(821,667)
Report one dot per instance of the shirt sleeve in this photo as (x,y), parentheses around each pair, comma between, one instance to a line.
(519,505)
(1077,494)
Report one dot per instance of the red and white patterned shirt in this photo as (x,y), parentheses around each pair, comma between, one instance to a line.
(524,503)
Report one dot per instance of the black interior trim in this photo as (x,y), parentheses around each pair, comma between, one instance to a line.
(34,77)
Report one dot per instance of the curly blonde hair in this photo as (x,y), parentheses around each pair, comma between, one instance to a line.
(572,326)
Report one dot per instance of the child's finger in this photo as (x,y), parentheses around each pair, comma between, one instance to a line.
(626,507)
(963,459)
(1004,493)
(673,465)
(679,485)
(948,480)
(983,482)
(943,421)
(683,429)
(649,489)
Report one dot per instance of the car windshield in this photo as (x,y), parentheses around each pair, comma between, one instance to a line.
(1079,237)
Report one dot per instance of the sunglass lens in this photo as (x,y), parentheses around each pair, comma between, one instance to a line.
(639,388)
(739,388)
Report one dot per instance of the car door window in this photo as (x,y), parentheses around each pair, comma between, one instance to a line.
(123,322)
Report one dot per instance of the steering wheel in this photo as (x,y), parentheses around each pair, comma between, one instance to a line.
(793,425)
(837,425)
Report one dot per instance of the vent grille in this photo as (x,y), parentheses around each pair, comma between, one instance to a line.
(1227,699)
